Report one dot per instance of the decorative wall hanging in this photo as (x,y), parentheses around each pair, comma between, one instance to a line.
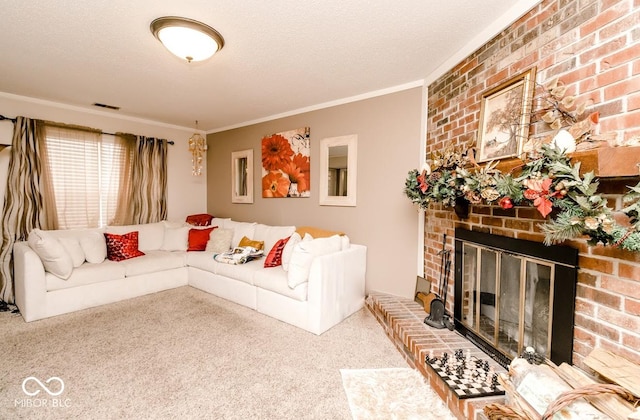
(504,117)
(197,147)
(286,164)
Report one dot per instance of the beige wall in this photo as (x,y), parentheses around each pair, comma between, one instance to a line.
(186,193)
(388,129)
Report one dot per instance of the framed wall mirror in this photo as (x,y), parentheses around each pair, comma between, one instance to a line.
(338,170)
(242,176)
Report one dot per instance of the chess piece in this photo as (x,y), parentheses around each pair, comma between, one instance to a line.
(494,381)
(468,355)
(485,366)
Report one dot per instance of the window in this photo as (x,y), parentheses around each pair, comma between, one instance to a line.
(85,170)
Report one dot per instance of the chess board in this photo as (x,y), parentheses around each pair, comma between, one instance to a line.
(466,385)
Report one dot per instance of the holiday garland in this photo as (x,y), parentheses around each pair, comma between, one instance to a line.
(549,182)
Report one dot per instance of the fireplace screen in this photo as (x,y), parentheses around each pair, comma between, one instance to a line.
(507,296)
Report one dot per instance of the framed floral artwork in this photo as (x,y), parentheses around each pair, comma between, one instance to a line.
(505,113)
(286,164)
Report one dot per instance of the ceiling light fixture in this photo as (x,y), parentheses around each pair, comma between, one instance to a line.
(187,38)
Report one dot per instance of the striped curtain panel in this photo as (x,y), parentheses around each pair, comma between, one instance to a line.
(24,200)
(147,183)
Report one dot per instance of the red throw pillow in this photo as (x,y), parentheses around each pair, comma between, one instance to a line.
(198,238)
(274,258)
(122,247)
(199,219)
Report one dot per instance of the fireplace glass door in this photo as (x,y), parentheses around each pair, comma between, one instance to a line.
(506,298)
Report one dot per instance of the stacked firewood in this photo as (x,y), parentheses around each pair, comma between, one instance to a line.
(547,391)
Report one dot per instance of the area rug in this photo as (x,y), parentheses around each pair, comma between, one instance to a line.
(394,393)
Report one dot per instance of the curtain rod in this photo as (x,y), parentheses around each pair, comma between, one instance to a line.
(171,142)
(2,117)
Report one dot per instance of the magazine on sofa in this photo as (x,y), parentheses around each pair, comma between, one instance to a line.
(239,255)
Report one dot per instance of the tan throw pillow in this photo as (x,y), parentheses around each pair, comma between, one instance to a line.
(248,242)
(316,232)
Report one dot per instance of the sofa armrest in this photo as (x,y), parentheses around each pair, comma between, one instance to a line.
(29,280)
(336,286)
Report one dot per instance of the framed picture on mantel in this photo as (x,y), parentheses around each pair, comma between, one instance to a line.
(505,113)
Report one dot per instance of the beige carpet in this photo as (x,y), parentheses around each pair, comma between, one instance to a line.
(185,354)
(393,393)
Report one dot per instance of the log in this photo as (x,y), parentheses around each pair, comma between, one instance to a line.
(520,403)
(611,405)
(615,369)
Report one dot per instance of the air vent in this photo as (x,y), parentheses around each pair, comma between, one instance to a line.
(115,108)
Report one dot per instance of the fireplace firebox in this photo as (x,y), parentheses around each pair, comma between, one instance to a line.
(511,294)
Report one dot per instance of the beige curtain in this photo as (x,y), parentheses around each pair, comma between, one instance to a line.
(75,156)
(24,199)
(143,191)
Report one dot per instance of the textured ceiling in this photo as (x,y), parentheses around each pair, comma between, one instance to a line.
(279,55)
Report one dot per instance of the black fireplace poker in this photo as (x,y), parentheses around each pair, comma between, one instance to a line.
(438,318)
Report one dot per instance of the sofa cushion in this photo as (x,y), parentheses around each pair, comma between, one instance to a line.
(73,248)
(152,262)
(87,273)
(274,258)
(54,257)
(122,247)
(240,229)
(242,272)
(220,222)
(272,234)
(175,238)
(94,246)
(220,240)
(203,260)
(198,238)
(150,235)
(303,255)
(276,280)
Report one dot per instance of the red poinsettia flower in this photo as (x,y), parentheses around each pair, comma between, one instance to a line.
(538,192)
(276,152)
(274,184)
(505,203)
(422,182)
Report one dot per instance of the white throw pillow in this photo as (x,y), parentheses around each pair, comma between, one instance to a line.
(73,248)
(94,246)
(220,240)
(304,253)
(176,239)
(54,257)
(287,251)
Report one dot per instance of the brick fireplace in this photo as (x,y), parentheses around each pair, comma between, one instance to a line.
(593,46)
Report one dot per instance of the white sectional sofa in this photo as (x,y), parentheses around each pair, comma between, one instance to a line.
(332,290)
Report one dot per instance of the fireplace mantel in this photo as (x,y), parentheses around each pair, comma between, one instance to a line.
(605,162)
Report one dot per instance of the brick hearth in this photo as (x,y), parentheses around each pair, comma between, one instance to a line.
(403,322)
